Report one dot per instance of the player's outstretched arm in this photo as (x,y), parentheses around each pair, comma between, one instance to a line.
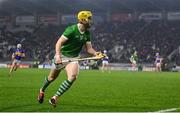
(13,56)
(91,51)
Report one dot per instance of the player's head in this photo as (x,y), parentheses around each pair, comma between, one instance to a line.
(19,46)
(105,51)
(85,18)
(157,54)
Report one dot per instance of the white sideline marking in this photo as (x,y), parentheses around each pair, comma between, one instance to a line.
(166,110)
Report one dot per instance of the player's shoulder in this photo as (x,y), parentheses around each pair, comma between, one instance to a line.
(14,49)
(72,27)
(22,50)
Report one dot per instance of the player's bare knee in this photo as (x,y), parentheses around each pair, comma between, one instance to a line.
(53,75)
(51,78)
(72,78)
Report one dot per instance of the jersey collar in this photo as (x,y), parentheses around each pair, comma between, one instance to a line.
(78,25)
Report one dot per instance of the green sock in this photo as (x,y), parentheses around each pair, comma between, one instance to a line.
(46,84)
(63,87)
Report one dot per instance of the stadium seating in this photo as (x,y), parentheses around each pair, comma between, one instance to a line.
(119,38)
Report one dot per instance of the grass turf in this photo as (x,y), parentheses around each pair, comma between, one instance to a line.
(94,91)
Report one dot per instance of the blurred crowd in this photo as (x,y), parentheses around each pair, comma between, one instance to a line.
(120,39)
(123,38)
(38,41)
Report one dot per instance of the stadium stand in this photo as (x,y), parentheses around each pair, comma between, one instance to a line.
(119,38)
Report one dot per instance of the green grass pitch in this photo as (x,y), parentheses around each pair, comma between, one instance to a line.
(94,91)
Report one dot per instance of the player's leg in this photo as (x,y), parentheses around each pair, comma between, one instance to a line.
(105,63)
(103,67)
(160,69)
(12,67)
(107,67)
(17,65)
(51,77)
(134,66)
(72,70)
(157,67)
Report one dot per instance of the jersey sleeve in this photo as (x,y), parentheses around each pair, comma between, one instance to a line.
(68,32)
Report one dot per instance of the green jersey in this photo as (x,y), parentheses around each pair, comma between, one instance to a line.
(134,57)
(73,46)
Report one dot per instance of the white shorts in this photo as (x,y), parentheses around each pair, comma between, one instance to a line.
(17,61)
(158,64)
(61,66)
(134,62)
(105,62)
